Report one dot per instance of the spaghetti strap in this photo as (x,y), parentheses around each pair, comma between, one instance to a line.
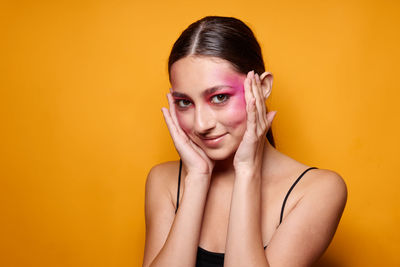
(290,190)
(179,185)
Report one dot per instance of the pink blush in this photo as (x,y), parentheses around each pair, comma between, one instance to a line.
(235,112)
(238,107)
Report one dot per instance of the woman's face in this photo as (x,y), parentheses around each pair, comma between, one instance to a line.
(210,104)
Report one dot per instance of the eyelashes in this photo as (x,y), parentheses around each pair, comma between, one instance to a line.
(182,103)
(218,99)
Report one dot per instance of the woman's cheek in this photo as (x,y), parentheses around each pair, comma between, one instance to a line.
(236,110)
(235,113)
(184,122)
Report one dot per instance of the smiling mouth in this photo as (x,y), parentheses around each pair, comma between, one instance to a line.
(212,137)
(213,141)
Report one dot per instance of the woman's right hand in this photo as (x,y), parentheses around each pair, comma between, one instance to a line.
(193,157)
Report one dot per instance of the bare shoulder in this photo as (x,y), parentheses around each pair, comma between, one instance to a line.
(162,179)
(328,181)
(326,186)
(163,173)
(313,220)
(159,206)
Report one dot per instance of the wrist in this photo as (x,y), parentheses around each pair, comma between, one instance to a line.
(197,179)
(247,173)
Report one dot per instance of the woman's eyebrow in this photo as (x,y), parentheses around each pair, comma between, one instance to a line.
(213,89)
(208,91)
(179,95)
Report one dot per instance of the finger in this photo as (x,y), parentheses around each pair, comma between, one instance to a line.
(263,111)
(258,82)
(252,117)
(259,93)
(250,105)
(173,113)
(170,124)
(172,108)
(261,123)
(248,95)
(200,151)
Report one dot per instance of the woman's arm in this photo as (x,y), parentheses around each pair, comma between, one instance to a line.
(308,228)
(301,238)
(172,240)
(305,232)
(244,245)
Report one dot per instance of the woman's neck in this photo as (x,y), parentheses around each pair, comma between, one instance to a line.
(225,165)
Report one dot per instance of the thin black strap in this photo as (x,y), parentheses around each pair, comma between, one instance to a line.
(179,185)
(290,190)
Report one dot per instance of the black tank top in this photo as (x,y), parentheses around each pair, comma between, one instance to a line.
(207,258)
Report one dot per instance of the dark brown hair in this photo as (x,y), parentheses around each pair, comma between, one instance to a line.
(227,38)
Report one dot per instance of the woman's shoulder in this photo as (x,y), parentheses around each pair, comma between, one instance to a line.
(315,184)
(327,182)
(323,188)
(166,168)
(318,179)
(163,175)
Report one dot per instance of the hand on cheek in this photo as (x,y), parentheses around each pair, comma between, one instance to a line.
(248,157)
(193,157)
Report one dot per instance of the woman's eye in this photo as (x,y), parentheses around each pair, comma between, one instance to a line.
(218,99)
(183,103)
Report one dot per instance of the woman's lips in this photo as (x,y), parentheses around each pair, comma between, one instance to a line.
(213,141)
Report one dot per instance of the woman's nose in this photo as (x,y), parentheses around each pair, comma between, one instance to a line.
(204,120)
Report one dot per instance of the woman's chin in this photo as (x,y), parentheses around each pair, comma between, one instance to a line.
(218,154)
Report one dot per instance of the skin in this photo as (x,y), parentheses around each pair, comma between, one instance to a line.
(232,190)
(202,116)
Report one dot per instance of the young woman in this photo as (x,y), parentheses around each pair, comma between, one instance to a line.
(232,199)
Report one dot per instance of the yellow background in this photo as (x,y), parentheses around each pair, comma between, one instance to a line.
(82,84)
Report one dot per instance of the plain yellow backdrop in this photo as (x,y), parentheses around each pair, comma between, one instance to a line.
(82,84)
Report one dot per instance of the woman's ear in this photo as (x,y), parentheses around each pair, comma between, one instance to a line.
(266,83)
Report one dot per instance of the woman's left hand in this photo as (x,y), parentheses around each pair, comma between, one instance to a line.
(249,155)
